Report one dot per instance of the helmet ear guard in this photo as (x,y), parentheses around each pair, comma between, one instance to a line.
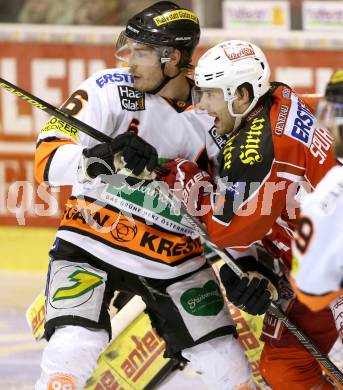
(231,64)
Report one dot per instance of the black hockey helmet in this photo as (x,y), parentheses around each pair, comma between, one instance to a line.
(334,88)
(165,24)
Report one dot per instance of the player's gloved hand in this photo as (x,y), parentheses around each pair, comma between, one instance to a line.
(188,182)
(253,293)
(136,153)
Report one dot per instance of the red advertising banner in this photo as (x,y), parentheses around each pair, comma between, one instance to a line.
(52,71)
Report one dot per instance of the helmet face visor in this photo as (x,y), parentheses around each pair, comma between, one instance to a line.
(330,116)
(131,52)
(206,100)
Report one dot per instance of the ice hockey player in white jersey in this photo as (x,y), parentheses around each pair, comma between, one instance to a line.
(318,260)
(108,238)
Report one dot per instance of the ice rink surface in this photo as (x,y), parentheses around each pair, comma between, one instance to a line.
(20,354)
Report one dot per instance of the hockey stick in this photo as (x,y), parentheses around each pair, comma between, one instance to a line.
(196,225)
(60,114)
(335,374)
(57,112)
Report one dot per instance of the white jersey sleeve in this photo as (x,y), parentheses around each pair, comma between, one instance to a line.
(317,267)
(90,104)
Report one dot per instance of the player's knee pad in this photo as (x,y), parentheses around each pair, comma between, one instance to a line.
(70,357)
(221,363)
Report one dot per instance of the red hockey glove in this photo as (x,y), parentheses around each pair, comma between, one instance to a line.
(189,183)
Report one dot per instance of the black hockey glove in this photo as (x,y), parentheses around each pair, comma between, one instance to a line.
(137,154)
(254,293)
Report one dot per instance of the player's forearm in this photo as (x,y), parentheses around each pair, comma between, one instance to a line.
(56,162)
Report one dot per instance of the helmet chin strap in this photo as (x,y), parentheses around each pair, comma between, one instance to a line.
(238,121)
(164,82)
(239,117)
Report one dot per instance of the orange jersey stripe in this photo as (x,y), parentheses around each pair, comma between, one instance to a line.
(316,302)
(109,226)
(44,153)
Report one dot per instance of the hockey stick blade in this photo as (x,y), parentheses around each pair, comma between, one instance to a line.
(63,116)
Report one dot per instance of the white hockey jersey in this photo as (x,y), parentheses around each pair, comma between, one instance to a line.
(317,259)
(151,244)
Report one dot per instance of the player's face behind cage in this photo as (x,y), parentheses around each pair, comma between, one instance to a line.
(144,62)
(330,116)
(211,101)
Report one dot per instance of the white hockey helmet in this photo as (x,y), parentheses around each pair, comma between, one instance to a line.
(231,64)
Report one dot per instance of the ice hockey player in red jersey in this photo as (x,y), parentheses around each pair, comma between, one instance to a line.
(317,249)
(274,154)
(108,238)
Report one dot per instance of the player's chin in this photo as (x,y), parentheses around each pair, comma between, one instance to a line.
(139,84)
(219,126)
(141,88)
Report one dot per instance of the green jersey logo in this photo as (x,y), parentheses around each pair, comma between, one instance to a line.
(84,282)
(203,301)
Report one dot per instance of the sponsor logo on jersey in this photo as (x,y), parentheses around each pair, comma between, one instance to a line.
(114,78)
(303,123)
(60,127)
(281,119)
(320,144)
(87,216)
(82,282)
(203,301)
(132,234)
(125,230)
(227,153)
(218,139)
(146,203)
(250,150)
(122,229)
(169,248)
(72,286)
(172,16)
(254,113)
(130,99)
